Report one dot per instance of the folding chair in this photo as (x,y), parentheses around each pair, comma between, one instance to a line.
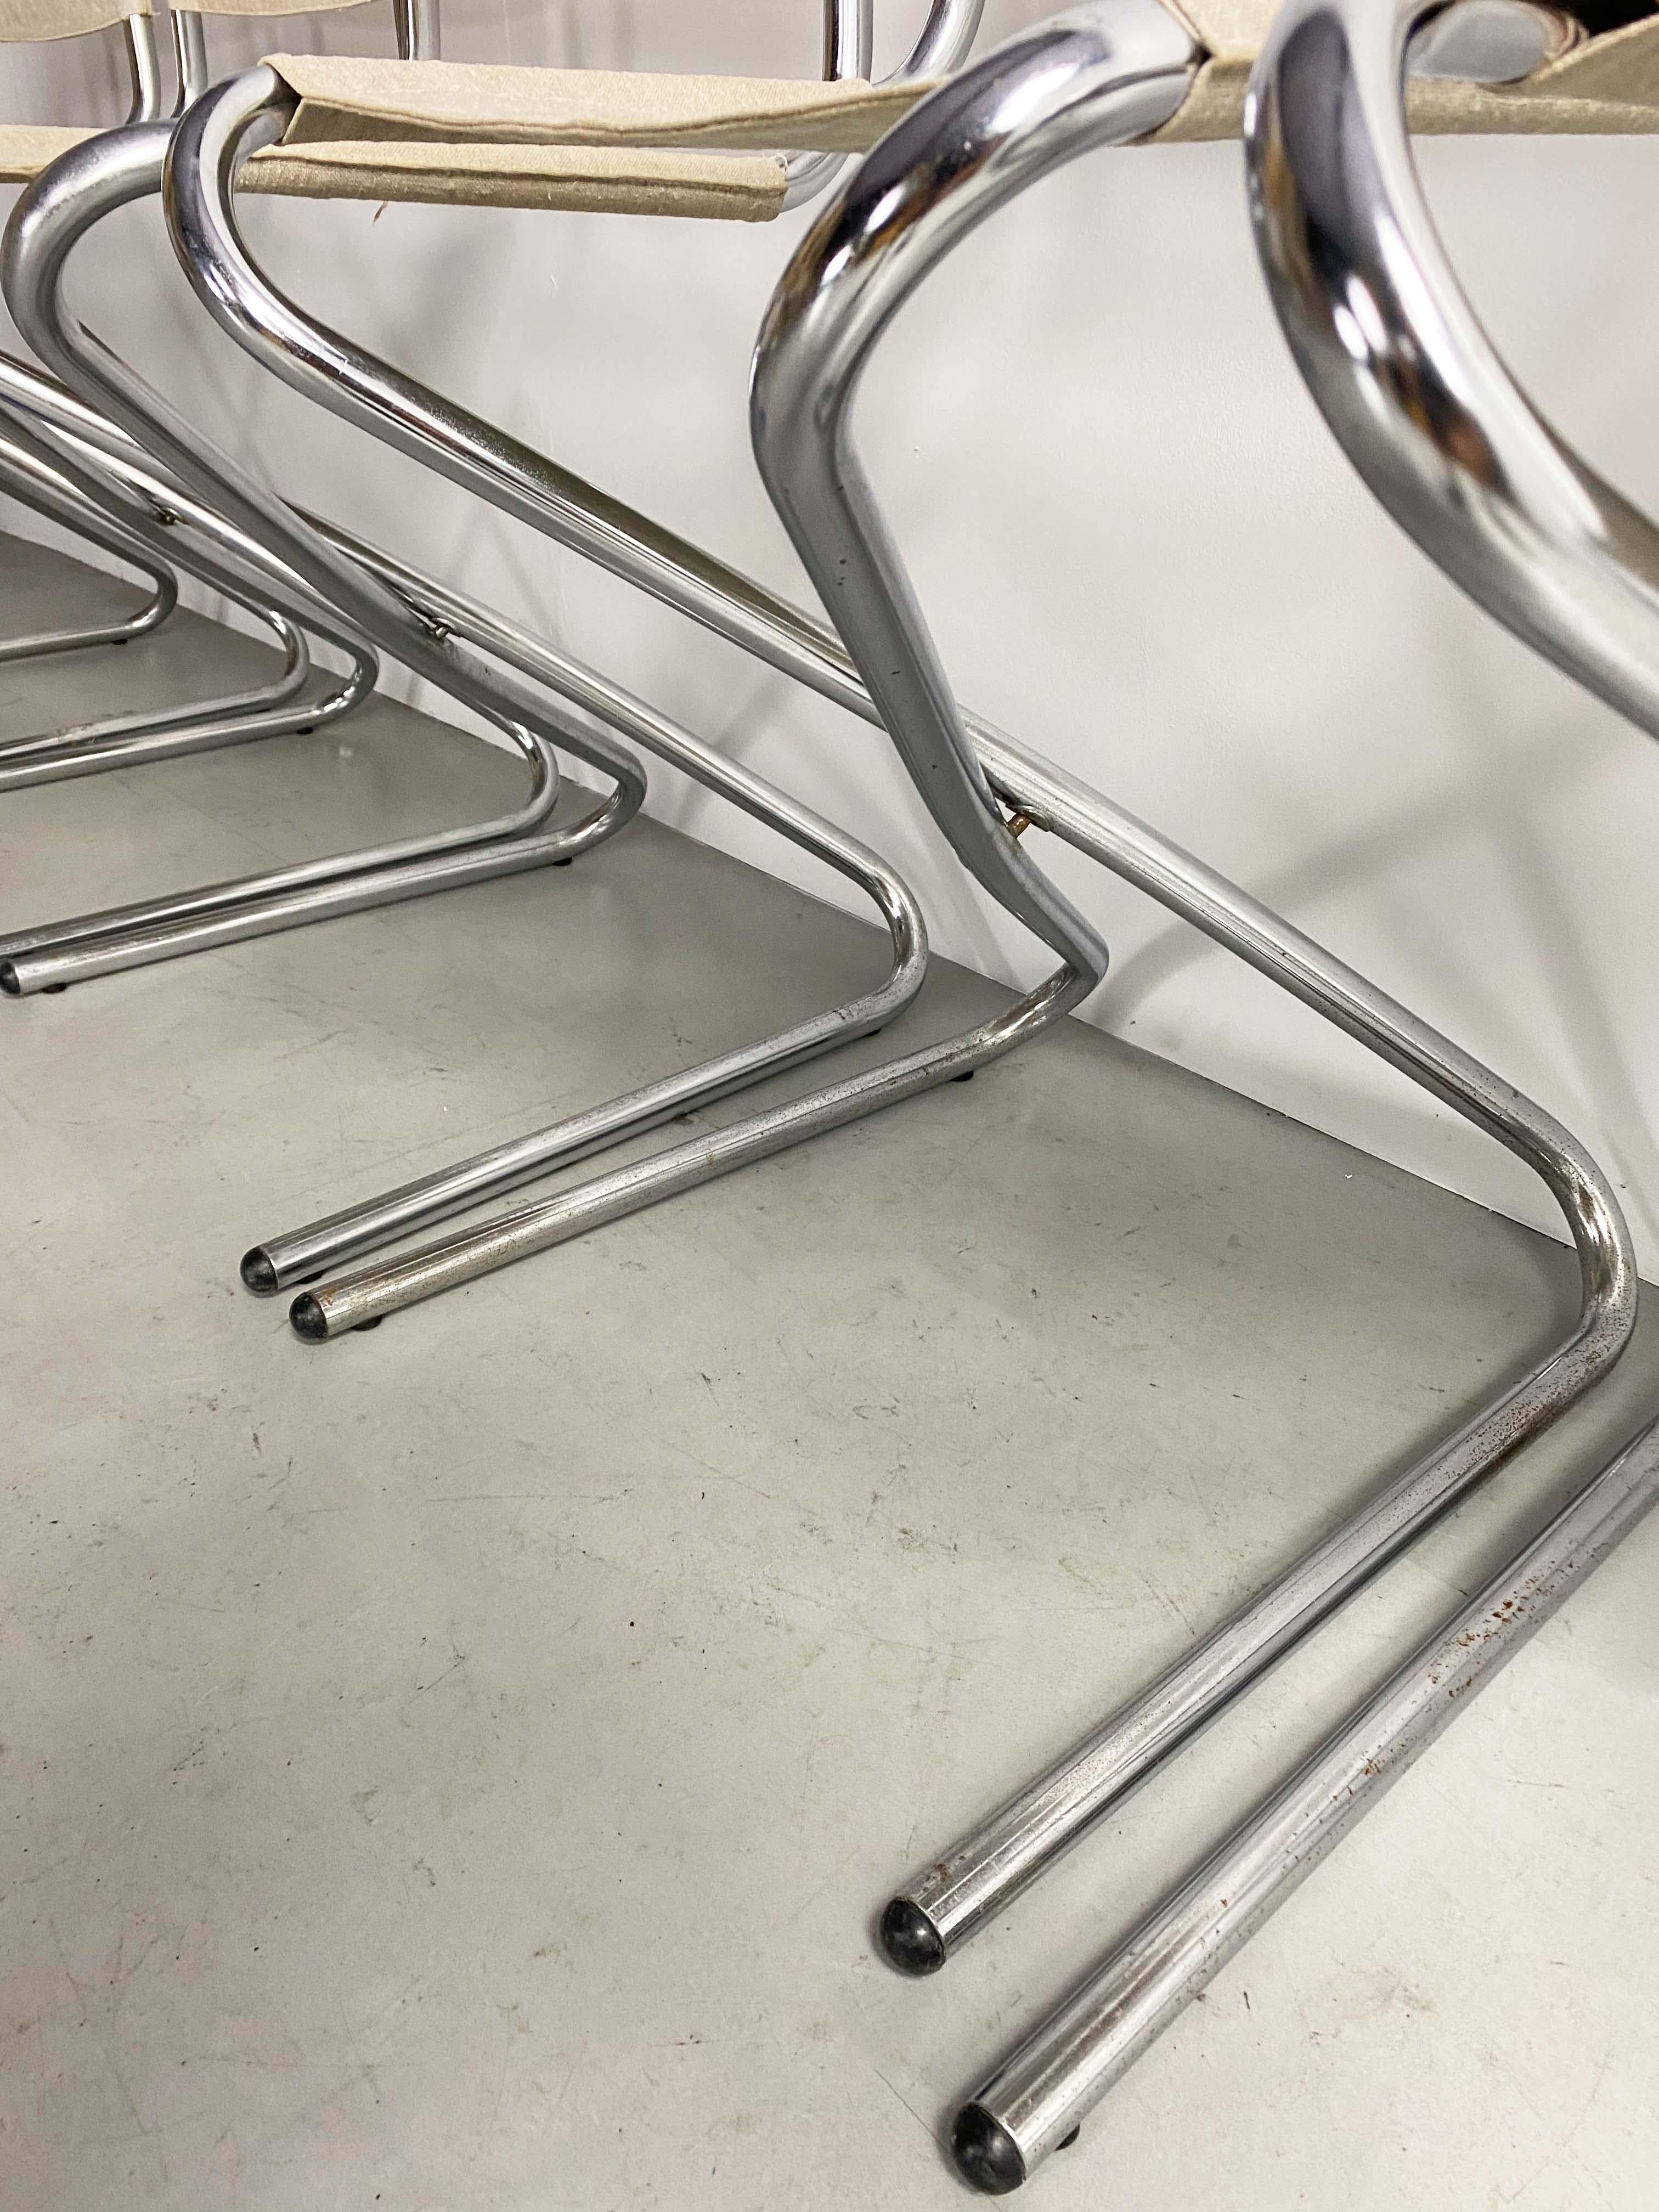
(1123,73)
(29,403)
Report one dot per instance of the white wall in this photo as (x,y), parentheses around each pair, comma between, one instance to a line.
(1136,544)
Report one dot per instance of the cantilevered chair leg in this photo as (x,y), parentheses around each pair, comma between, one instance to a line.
(1099,76)
(312,582)
(1405,377)
(215,134)
(42,420)
(1039,2096)
(19,479)
(30,467)
(419,621)
(298,1255)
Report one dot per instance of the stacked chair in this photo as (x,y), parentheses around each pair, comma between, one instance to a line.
(428,130)
(1430,418)
(36,415)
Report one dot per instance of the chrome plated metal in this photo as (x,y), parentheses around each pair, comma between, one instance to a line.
(1099,76)
(420,620)
(145,64)
(1407,379)
(39,451)
(190,64)
(24,478)
(1038,2098)
(418,28)
(324,365)
(849,47)
(1397,364)
(23,481)
(52,217)
(211,140)
(849,37)
(354,1300)
(329,368)
(283,1261)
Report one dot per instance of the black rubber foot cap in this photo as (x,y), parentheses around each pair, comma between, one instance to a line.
(307,1319)
(8,982)
(986,2152)
(910,1939)
(257,1273)
(966,1076)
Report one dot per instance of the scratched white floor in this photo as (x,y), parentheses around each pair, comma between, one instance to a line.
(454,1770)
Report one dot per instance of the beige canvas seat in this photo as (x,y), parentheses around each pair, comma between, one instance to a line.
(639,143)
(1602,86)
(596,140)
(26,148)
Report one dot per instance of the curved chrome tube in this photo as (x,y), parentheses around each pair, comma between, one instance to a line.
(419,620)
(58,209)
(1037,2099)
(1097,75)
(24,478)
(145,64)
(322,364)
(137,514)
(41,453)
(849,50)
(213,140)
(1407,378)
(283,1261)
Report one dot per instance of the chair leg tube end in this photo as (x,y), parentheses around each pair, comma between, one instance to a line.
(308,1320)
(986,2154)
(910,1939)
(257,1273)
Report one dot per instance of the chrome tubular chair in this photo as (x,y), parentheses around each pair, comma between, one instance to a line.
(399,610)
(1115,74)
(148,495)
(31,405)
(417,620)
(68,463)
(216,142)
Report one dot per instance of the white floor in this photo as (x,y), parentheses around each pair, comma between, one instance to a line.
(456,1769)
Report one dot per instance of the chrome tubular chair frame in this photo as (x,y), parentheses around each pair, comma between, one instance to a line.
(56,210)
(218,134)
(26,399)
(43,431)
(50,957)
(240,116)
(24,478)
(1102,75)
(21,476)
(418,619)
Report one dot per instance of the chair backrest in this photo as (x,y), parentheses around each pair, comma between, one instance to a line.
(33,22)
(416,23)
(24,22)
